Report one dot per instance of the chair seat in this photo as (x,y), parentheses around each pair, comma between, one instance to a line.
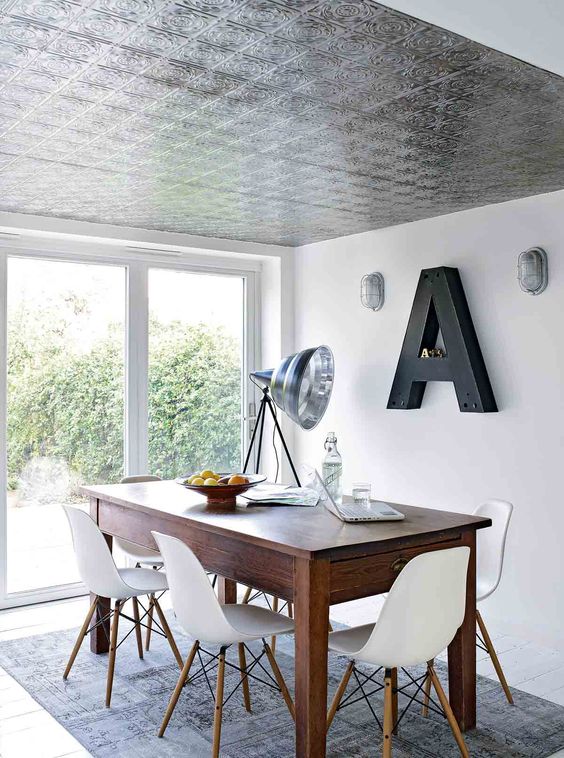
(254,622)
(350,641)
(139,554)
(142,581)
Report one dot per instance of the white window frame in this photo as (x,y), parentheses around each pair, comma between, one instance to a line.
(135,355)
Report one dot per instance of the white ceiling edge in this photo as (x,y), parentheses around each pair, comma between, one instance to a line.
(18,229)
(531,206)
(530,31)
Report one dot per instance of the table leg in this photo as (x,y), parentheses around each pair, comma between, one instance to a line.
(311,613)
(226,590)
(100,637)
(462,652)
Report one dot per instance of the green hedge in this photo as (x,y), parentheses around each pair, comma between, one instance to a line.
(69,404)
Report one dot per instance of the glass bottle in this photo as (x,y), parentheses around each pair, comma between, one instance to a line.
(333,469)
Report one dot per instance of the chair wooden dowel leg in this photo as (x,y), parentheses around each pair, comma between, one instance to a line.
(493,655)
(388,714)
(247,595)
(113,649)
(137,626)
(427,691)
(280,679)
(170,638)
(150,611)
(273,638)
(178,689)
(218,704)
(244,678)
(395,699)
(339,693)
(81,635)
(453,723)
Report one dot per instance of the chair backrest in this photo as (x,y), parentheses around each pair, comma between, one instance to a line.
(194,601)
(422,612)
(491,544)
(140,478)
(96,566)
(130,548)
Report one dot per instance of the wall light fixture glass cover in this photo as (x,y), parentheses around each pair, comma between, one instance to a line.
(372,291)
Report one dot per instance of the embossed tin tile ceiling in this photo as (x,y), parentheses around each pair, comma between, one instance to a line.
(283,122)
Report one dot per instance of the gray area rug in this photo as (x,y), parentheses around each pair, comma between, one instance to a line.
(533,727)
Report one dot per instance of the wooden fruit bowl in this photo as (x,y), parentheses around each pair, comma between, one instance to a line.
(223,494)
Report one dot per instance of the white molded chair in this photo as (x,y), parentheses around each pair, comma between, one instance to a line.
(102,578)
(420,617)
(201,615)
(142,556)
(276,604)
(490,553)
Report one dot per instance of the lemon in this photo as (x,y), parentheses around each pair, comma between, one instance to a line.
(207,474)
(211,482)
(191,479)
(198,481)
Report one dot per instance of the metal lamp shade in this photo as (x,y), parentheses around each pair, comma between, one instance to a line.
(301,385)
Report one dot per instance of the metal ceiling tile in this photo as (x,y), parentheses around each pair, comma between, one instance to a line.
(53,12)
(103,26)
(182,20)
(22,32)
(263,15)
(287,121)
(347,13)
(132,9)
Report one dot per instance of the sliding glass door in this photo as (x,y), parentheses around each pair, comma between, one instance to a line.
(196,337)
(110,368)
(65,407)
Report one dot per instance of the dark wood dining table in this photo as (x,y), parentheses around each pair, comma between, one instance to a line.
(303,555)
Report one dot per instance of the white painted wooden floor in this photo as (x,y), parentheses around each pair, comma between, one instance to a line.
(28,731)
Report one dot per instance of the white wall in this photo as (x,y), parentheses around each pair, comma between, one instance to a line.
(437,456)
(277,340)
(533,34)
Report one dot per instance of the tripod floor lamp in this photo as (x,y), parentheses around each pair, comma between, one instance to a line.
(301,387)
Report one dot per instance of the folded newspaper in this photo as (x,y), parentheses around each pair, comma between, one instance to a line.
(276,494)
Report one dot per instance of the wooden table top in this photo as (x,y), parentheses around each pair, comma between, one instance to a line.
(299,531)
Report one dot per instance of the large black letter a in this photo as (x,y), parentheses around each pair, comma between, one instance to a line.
(440,303)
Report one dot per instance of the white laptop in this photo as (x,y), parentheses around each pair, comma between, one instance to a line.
(351,511)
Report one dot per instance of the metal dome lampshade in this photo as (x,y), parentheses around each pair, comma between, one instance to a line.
(301,387)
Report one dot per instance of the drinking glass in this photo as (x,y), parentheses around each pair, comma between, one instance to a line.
(361,492)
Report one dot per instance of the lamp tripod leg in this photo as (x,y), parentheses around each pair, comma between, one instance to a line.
(259,430)
(261,433)
(279,430)
(258,421)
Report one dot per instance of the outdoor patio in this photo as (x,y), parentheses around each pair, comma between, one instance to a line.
(40,550)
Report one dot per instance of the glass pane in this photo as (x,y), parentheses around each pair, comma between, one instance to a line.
(195,363)
(66,328)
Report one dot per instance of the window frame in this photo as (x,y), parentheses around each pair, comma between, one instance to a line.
(136,355)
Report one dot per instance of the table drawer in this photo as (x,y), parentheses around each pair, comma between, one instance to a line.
(371,575)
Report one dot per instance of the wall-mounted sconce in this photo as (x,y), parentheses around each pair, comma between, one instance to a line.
(532,271)
(372,291)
